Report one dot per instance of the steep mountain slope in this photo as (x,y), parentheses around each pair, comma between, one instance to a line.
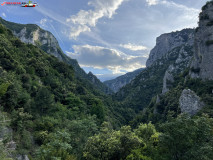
(159,77)
(33,34)
(95,81)
(202,63)
(119,82)
(45,101)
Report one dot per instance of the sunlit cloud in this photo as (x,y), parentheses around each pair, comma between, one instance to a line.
(100,58)
(3,15)
(152,2)
(87,19)
(133,47)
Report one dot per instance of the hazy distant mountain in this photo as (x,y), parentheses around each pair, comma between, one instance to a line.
(119,82)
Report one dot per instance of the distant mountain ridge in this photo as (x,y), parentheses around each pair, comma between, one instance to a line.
(119,82)
(33,34)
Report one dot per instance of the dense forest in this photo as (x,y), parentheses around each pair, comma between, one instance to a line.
(49,113)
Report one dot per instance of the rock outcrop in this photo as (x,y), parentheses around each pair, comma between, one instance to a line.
(169,41)
(183,60)
(190,103)
(119,82)
(202,66)
(41,38)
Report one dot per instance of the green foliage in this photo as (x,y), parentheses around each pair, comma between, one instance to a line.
(3,88)
(44,100)
(185,138)
(43,96)
(123,144)
(56,147)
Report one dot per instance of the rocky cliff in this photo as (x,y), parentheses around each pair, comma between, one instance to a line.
(202,65)
(33,34)
(183,60)
(189,102)
(169,41)
(119,82)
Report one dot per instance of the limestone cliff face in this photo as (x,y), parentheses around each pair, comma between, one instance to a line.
(189,102)
(176,47)
(41,38)
(202,64)
(169,41)
(33,34)
(183,60)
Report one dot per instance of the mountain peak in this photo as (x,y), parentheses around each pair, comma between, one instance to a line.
(168,41)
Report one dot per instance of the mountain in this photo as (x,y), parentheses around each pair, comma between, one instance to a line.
(119,82)
(158,77)
(33,34)
(202,65)
(40,96)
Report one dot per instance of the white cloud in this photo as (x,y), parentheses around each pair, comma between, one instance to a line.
(133,47)
(185,17)
(102,58)
(43,22)
(171,4)
(152,2)
(85,20)
(178,6)
(4,15)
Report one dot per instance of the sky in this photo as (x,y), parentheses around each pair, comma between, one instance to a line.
(107,37)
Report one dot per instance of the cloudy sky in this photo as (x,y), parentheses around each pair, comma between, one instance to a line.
(107,37)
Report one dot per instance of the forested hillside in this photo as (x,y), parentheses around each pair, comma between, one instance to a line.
(43,98)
